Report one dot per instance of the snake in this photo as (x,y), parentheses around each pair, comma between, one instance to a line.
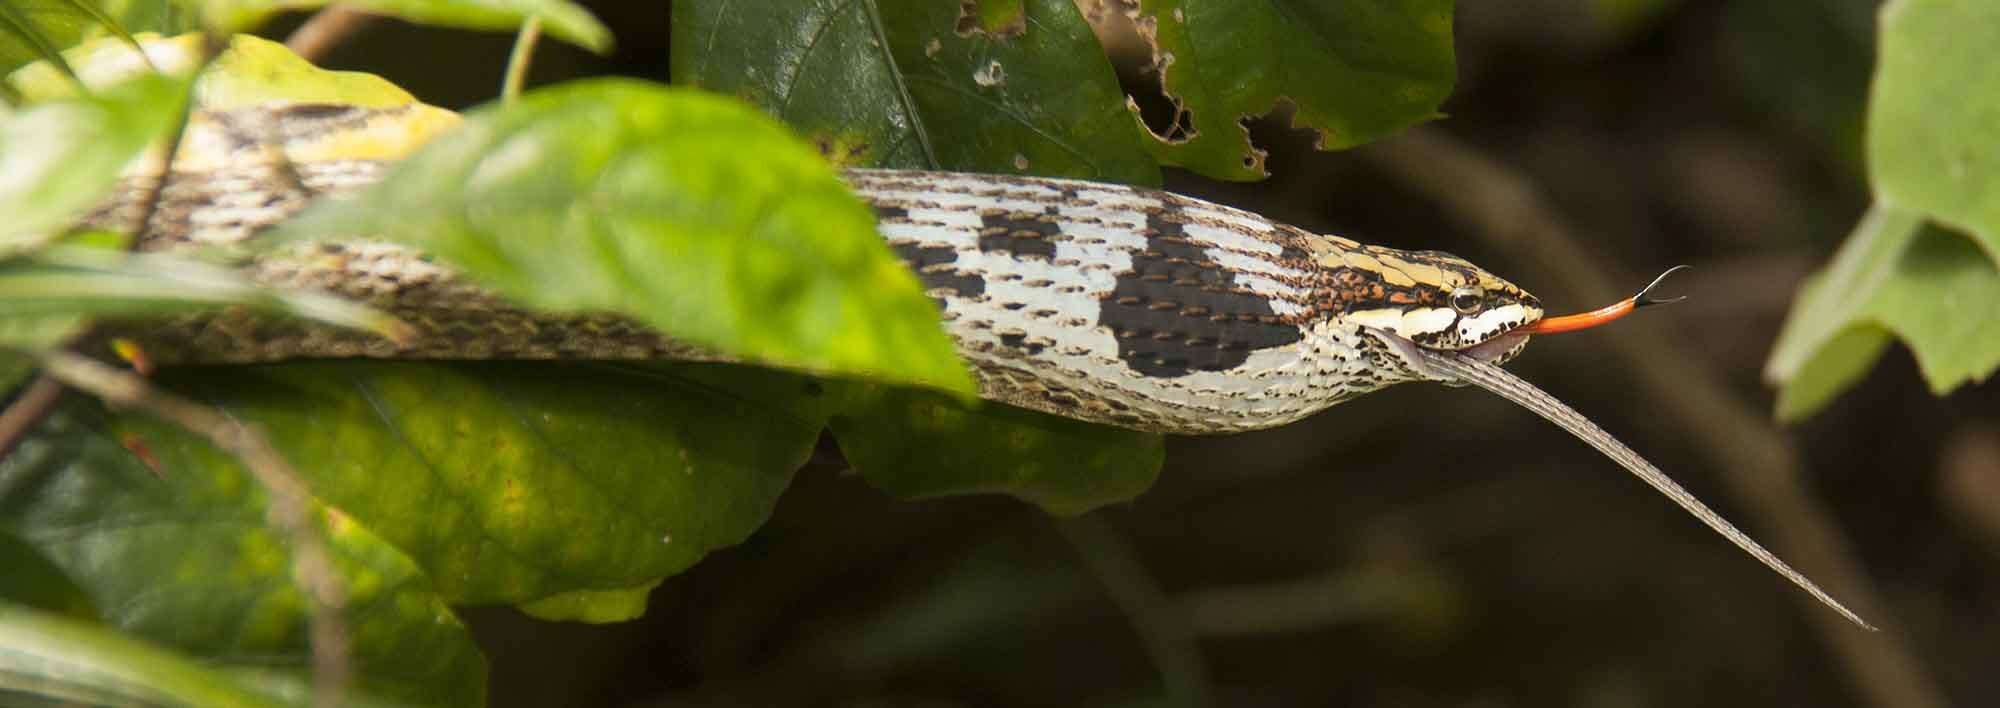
(1111,304)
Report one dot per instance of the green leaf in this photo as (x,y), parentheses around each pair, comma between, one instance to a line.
(560,18)
(1900,275)
(690,213)
(59,158)
(917,444)
(172,539)
(69,662)
(1019,86)
(46,296)
(250,71)
(37,31)
(510,483)
(1934,119)
(1355,71)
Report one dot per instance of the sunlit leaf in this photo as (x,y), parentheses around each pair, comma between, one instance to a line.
(1354,72)
(691,213)
(174,542)
(1017,86)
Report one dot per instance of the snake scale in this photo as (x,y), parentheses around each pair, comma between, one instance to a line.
(1106,303)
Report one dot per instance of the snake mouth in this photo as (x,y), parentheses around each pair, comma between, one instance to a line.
(1498,349)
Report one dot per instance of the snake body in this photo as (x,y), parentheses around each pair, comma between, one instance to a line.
(1106,303)
(1121,305)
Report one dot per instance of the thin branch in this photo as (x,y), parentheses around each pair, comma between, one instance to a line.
(519,59)
(1755,459)
(291,502)
(35,403)
(325,30)
(1161,623)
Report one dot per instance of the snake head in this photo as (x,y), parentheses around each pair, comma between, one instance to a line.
(1440,302)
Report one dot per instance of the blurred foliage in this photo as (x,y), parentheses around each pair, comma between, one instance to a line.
(168,536)
(1925,265)
(59,158)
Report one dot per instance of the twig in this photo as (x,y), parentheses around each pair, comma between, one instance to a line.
(1757,462)
(325,30)
(520,58)
(35,402)
(1161,623)
(290,512)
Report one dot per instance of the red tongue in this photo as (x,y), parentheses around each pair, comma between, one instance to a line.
(1602,315)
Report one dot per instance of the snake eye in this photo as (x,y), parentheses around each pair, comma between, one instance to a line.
(1466,300)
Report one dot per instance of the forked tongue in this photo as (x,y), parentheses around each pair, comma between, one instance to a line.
(1452,366)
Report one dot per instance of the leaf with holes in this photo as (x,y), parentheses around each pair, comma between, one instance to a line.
(171,539)
(1017,86)
(685,211)
(1353,72)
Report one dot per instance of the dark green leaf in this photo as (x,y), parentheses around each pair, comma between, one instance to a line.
(691,213)
(1932,122)
(510,483)
(919,444)
(68,662)
(1355,72)
(59,158)
(172,539)
(1019,86)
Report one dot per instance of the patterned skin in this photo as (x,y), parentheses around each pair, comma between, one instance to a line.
(1112,304)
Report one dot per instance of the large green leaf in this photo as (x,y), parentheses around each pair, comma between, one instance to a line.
(1355,70)
(560,18)
(1018,86)
(59,158)
(1897,275)
(172,540)
(510,483)
(918,444)
(689,212)
(1934,117)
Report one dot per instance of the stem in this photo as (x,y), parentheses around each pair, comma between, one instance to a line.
(1161,624)
(517,62)
(35,403)
(291,510)
(326,30)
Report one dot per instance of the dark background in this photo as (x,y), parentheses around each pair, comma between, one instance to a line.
(1422,546)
